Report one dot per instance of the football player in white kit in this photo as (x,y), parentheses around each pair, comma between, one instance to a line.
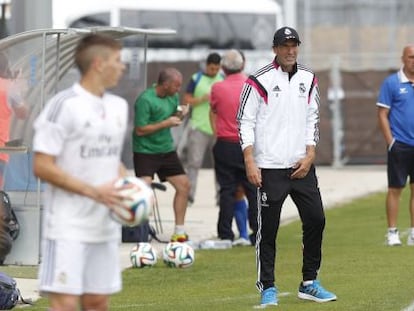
(77,143)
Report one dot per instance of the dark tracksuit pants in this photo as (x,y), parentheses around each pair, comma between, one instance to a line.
(230,172)
(276,186)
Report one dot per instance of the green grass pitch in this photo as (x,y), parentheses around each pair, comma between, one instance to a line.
(357,266)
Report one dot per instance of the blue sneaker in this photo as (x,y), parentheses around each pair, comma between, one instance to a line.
(315,292)
(269,297)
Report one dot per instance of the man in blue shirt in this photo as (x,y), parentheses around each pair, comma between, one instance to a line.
(396,120)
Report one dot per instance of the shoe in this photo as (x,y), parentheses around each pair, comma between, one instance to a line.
(315,292)
(268,297)
(179,237)
(393,238)
(410,240)
(241,242)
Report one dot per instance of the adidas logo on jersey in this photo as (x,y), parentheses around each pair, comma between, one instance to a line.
(276,89)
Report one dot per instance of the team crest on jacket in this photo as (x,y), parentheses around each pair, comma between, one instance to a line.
(302,88)
(263,199)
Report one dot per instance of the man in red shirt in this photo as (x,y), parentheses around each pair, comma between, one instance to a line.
(10,102)
(228,156)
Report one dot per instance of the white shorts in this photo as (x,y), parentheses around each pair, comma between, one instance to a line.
(76,268)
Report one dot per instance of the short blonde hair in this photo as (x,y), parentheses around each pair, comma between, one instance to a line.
(92,45)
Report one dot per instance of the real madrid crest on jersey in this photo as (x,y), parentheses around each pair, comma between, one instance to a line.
(302,89)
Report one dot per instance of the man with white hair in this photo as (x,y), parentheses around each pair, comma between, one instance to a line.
(228,156)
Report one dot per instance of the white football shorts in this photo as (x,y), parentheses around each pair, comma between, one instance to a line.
(77,268)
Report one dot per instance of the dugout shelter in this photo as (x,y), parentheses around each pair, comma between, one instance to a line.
(41,64)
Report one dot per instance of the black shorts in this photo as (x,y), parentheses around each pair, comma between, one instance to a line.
(163,164)
(400,165)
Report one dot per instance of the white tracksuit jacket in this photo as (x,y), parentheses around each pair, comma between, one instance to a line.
(278,115)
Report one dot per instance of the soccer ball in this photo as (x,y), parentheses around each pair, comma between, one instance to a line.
(139,201)
(178,255)
(143,255)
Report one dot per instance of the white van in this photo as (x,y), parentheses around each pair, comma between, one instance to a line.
(200,25)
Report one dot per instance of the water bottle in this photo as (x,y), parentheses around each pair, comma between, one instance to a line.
(215,244)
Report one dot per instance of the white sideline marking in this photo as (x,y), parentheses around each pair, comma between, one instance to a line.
(409,308)
(284,294)
(146,305)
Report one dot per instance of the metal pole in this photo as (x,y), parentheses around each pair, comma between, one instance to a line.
(3,25)
(307,31)
(145,60)
(42,98)
(57,62)
(335,95)
(392,31)
(289,8)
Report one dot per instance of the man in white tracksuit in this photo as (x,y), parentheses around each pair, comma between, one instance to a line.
(279,129)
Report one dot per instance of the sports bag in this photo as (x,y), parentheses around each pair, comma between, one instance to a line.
(5,243)
(141,233)
(11,223)
(9,294)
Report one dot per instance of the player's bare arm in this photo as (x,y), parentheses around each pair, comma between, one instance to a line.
(194,101)
(252,171)
(122,170)
(152,128)
(45,167)
(213,116)
(384,125)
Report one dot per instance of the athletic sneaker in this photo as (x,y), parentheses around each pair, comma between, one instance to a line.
(269,297)
(393,238)
(241,242)
(410,239)
(179,237)
(315,292)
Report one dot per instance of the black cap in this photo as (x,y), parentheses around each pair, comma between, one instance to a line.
(283,34)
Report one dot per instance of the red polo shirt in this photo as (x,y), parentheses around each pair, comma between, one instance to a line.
(5,116)
(224,101)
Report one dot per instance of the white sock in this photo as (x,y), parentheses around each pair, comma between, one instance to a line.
(179,229)
(306,283)
(412,232)
(392,229)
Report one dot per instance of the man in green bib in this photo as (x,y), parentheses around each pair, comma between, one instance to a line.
(156,111)
(200,136)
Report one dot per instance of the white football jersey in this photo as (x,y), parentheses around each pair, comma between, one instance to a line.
(86,134)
